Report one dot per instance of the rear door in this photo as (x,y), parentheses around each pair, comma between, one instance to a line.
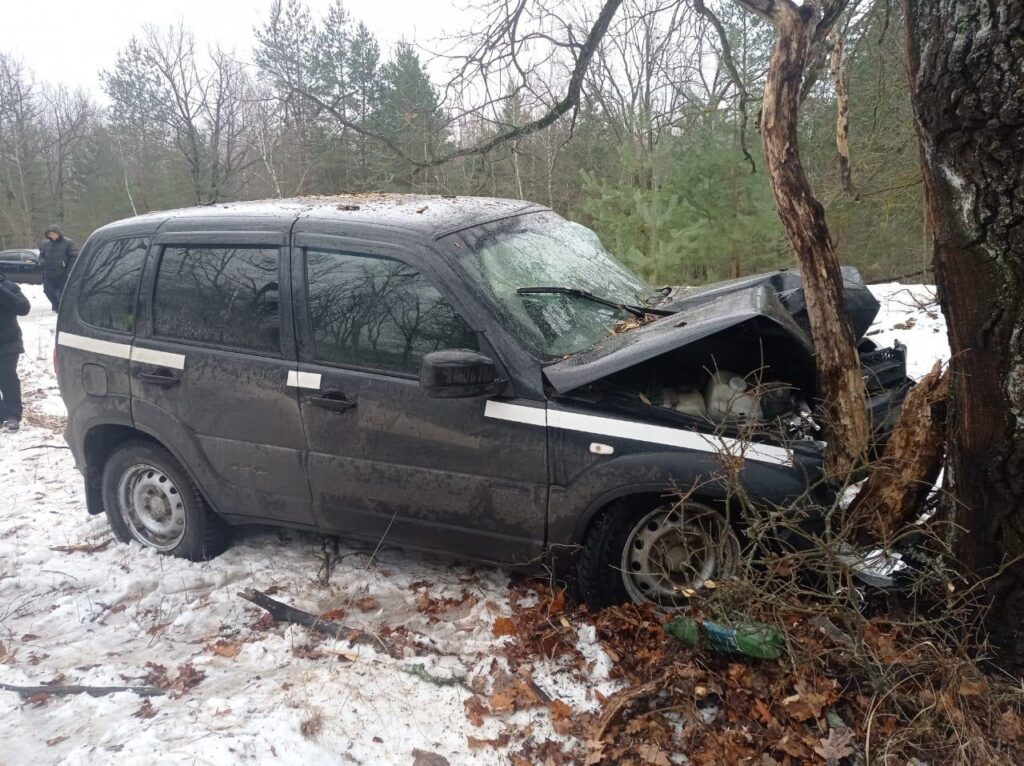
(385,461)
(211,367)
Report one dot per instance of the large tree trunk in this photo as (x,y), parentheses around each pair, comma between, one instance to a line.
(964,59)
(840,386)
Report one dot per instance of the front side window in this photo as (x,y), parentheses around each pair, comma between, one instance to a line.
(377,313)
(543,250)
(111,284)
(223,296)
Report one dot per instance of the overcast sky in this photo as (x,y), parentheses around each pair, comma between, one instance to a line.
(70,41)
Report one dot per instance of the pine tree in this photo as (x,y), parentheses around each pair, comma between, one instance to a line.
(409,115)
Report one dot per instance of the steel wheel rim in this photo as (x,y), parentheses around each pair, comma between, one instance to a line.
(673,551)
(152,507)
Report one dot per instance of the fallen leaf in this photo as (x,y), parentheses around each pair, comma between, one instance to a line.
(477,744)
(56,740)
(762,713)
(188,677)
(595,753)
(503,626)
(156,675)
(38,699)
(475,710)
(426,758)
(334,614)
(308,653)
(810,699)
(145,710)
(836,746)
(229,649)
(367,604)
(653,755)
(512,696)
(561,717)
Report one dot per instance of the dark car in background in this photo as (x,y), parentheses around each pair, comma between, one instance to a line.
(22,265)
(471,376)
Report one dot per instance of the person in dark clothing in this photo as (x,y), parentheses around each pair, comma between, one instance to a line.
(57,254)
(12,305)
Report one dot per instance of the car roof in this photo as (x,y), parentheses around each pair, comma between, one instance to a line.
(431,216)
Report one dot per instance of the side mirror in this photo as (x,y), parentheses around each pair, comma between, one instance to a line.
(458,374)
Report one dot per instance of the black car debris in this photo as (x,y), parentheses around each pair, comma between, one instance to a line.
(22,265)
(464,375)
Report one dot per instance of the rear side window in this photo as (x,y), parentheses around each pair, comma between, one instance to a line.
(111,284)
(378,313)
(223,296)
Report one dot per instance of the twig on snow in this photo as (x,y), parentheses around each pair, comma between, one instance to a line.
(420,671)
(92,691)
(284,613)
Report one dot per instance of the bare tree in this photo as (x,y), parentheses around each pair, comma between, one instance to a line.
(67,117)
(172,54)
(226,111)
(799,30)
(18,144)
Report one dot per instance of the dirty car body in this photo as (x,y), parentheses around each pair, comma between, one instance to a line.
(411,369)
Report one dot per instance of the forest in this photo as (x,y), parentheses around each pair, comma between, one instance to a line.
(661,158)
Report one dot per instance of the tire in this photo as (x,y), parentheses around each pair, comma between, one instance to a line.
(149,498)
(610,574)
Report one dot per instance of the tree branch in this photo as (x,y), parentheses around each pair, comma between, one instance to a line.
(92,691)
(570,101)
(734,74)
(284,613)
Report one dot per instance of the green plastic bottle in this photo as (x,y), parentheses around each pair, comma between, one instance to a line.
(754,639)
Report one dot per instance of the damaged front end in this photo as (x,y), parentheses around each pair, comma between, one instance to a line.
(734,359)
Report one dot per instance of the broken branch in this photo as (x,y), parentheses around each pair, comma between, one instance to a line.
(619,701)
(894,492)
(92,691)
(284,613)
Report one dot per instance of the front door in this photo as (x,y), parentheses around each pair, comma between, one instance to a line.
(385,461)
(210,372)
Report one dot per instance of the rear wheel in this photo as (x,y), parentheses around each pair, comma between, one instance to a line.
(661,556)
(149,498)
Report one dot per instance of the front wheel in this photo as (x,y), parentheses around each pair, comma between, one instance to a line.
(149,498)
(661,556)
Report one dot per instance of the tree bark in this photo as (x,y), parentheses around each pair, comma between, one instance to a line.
(840,386)
(837,65)
(967,89)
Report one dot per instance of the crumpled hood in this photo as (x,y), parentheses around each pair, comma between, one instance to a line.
(860,303)
(775,301)
(692,321)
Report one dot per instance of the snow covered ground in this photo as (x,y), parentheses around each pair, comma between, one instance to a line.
(76,607)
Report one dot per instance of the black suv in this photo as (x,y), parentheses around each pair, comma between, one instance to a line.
(474,376)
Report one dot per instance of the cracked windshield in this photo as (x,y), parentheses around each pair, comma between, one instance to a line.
(545,251)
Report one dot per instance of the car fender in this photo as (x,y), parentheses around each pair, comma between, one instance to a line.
(573,507)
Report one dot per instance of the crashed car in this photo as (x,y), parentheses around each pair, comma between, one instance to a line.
(478,377)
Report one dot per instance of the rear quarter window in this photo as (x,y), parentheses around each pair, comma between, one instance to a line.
(221,296)
(110,287)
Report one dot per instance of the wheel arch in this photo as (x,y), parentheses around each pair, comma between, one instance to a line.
(99,443)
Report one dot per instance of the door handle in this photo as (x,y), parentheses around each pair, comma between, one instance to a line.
(332,400)
(160,377)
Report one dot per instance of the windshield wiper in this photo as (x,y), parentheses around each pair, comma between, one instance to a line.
(586,295)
